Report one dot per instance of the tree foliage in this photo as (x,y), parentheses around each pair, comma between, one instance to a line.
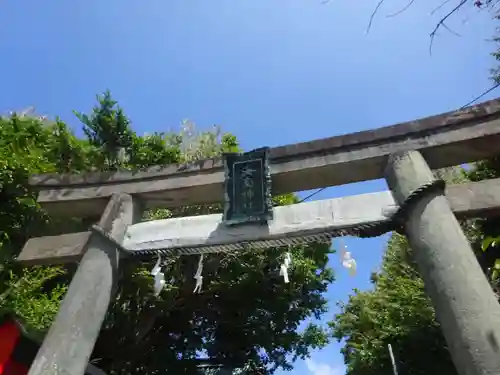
(398,312)
(245,314)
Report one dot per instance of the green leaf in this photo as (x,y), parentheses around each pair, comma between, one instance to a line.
(489,241)
(495,274)
(497,264)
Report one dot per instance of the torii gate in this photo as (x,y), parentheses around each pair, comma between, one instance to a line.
(404,154)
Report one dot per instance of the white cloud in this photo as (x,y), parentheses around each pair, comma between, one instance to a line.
(316,368)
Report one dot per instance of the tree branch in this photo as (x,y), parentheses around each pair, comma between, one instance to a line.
(402,10)
(373,15)
(450,30)
(441,23)
(440,6)
(496,85)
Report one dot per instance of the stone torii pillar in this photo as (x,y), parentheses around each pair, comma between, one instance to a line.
(70,341)
(466,307)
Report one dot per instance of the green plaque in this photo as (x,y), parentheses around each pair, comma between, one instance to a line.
(247,187)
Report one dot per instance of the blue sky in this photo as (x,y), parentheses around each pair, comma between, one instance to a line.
(271,72)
